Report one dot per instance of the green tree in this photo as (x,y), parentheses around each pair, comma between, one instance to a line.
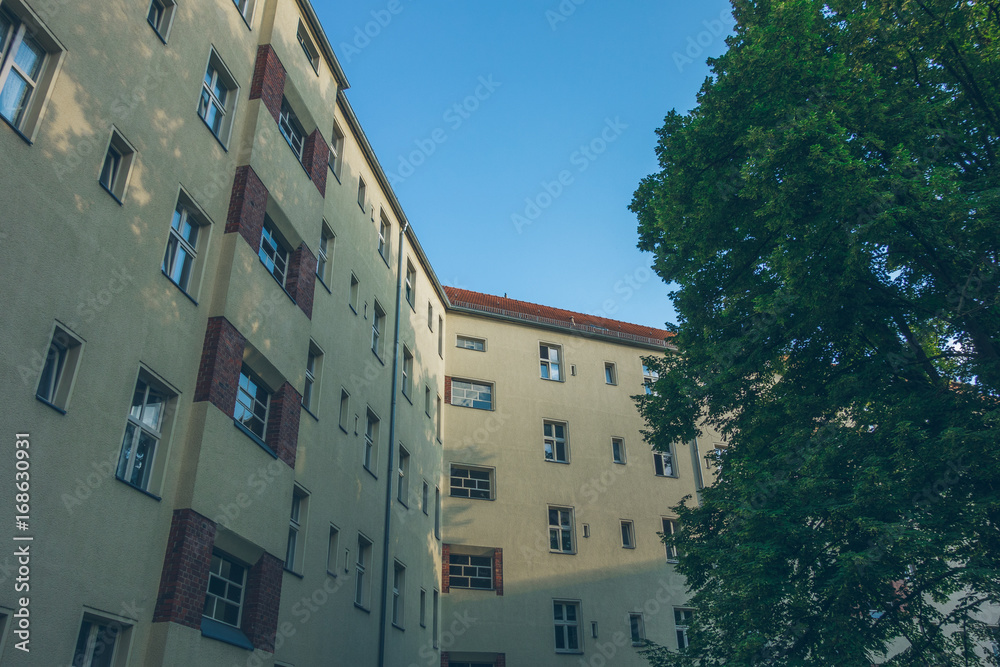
(830,216)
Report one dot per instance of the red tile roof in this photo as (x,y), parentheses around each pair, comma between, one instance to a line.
(500,305)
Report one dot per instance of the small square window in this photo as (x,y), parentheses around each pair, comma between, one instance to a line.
(324,254)
(550,361)
(628,535)
(469,394)
(59,369)
(345,410)
(117,166)
(296,535)
(610,373)
(28,54)
(274,251)
(556,442)
(663,464)
(252,401)
(142,452)
(226,584)
(160,16)
(355,293)
(567,626)
(101,642)
(291,129)
(217,104)
(188,236)
(306,42)
(637,628)
(471,482)
(618,450)
(470,343)
(561,530)
(337,152)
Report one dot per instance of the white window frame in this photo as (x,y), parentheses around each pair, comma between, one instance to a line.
(664,462)
(295,550)
(337,151)
(682,619)
(410,287)
(610,373)
(403,477)
(649,378)
(378,329)
(560,531)
(324,253)
(345,410)
(246,410)
(372,426)
(549,367)
(142,428)
(355,293)
(116,169)
(551,443)
(618,450)
(274,253)
(470,343)
(58,368)
(398,592)
(221,557)
(637,628)
(384,237)
(291,129)
(363,564)
(462,483)
(670,528)
(460,566)
(99,633)
(313,376)
(563,624)
(218,76)
(362,194)
(161,26)
(628,534)
(407,370)
(245,8)
(308,47)
(469,394)
(182,259)
(25,31)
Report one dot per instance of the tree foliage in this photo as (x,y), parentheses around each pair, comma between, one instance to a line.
(830,215)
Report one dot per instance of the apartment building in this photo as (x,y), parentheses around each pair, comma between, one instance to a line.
(248,425)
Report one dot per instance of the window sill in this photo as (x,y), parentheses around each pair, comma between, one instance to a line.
(399,627)
(403,503)
(331,574)
(562,553)
(565,463)
(666,476)
(407,397)
(569,652)
(17,131)
(245,19)
(253,436)
(212,132)
(323,283)
(627,547)
(369,471)
(378,357)
(113,195)
(162,38)
(310,413)
(619,463)
(364,609)
(139,489)
(50,404)
(224,633)
(334,172)
(341,426)
(672,561)
(363,208)
(191,298)
(293,573)
(386,260)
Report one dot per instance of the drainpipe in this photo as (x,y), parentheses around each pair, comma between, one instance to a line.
(391,470)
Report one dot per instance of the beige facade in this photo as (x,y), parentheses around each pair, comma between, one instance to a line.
(202,265)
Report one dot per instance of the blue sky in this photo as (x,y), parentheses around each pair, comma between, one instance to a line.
(516,133)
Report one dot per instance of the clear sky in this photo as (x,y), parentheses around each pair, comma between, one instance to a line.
(516,132)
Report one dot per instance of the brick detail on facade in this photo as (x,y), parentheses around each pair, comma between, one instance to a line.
(184,580)
(268,83)
(282,433)
(445,659)
(498,570)
(501,660)
(260,606)
(301,279)
(221,361)
(316,160)
(247,206)
(447,390)
(445,571)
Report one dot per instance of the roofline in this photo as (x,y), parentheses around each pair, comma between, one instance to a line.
(324,44)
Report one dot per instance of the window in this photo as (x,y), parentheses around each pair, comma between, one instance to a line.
(180,261)
(682,622)
(669,529)
(362,194)
(160,15)
(314,365)
(345,409)
(403,477)
(440,336)
(59,369)
(101,642)
(378,326)
(26,56)
(384,236)
(226,582)
(434,615)
(273,251)
(663,464)
(217,104)
(628,535)
(143,432)
(364,563)
(610,373)
(246,8)
(291,129)
(424,498)
(252,399)
(398,583)
(355,293)
(437,417)
(430,316)
(649,378)
(470,482)
(637,629)
(371,441)
(470,343)
(618,450)
(411,283)
(714,459)
(550,361)
(554,436)
(427,400)
(407,372)
(296,537)
(423,608)
(333,551)
(307,47)
(468,394)
(561,530)
(324,254)
(437,513)
(469,571)
(117,166)
(567,623)
(337,151)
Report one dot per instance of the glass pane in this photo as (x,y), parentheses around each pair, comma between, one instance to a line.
(560,431)
(143,460)
(216,586)
(553,517)
(5,26)
(80,654)
(126,450)
(230,614)
(554,354)
(545,370)
(189,231)
(104,647)
(571,612)
(13,97)
(29,57)
(560,638)
(554,540)
(180,272)
(567,544)
(574,639)
(555,372)
(153,411)
(155,12)
(110,168)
